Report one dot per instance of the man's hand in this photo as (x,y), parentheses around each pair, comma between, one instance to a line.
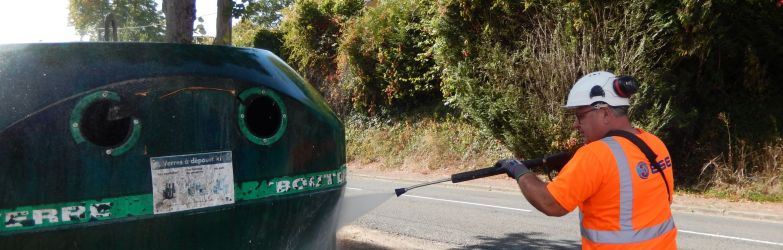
(514,168)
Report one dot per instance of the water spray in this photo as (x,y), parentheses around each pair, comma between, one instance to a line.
(551,162)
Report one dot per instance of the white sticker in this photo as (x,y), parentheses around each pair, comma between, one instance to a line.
(185,182)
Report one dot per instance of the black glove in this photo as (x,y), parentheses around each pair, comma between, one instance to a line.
(513,168)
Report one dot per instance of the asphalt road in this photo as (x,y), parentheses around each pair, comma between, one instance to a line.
(463,217)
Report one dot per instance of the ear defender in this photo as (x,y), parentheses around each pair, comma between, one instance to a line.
(625,86)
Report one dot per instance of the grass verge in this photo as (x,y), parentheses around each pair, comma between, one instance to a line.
(747,172)
(421,144)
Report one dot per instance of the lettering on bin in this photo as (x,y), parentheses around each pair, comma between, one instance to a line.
(49,216)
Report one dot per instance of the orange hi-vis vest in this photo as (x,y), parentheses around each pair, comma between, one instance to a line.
(623,200)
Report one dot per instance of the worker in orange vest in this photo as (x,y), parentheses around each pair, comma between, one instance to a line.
(621,179)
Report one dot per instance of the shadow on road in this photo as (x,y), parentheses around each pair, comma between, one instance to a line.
(523,241)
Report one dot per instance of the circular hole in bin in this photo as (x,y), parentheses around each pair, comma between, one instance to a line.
(98,127)
(263,116)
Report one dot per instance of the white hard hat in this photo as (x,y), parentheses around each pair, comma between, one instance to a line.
(595,87)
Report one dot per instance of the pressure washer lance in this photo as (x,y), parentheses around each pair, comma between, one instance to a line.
(552,162)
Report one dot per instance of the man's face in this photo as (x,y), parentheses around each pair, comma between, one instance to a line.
(588,121)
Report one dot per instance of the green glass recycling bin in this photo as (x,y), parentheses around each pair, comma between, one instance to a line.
(164,146)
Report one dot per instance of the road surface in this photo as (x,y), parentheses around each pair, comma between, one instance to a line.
(448,216)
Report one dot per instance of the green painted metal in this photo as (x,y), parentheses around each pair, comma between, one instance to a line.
(76,115)
(253,190)
(29,218)
(187,97)
(130,142)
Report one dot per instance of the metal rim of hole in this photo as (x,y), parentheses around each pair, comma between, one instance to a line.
(80,136)
(263,105)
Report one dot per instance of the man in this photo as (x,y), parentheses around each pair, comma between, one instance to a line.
(622,196)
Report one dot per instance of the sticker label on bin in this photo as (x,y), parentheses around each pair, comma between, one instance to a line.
(185,182)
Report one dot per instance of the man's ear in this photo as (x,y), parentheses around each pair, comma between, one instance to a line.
(606,115)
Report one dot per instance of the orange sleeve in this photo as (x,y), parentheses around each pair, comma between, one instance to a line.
(579,179)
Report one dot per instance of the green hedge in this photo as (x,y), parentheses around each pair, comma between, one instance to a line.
(721,69)
(711,70)
(311,35)
(509,64)
(386,58)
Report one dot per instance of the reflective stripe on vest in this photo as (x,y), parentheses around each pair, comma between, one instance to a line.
(626,234)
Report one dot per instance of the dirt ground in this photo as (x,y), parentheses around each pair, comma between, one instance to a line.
(358,238)
(353,237)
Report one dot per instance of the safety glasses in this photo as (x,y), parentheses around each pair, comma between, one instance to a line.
(580,115)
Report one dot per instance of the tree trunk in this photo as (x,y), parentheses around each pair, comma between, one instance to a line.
(223,36)
(180,15)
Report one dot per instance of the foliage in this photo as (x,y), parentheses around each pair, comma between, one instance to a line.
(243,33)
(420,142)
(720,70)
(730,176)
(87,15)
(264,13)
(709,69)
(137,20)
(509,64)
(247,34)
(386,57)
(705,67)
(312,29)
(272,40)
(199,29)
(204,40)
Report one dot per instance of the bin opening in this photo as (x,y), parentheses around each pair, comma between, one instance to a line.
(100,127)
(263,116)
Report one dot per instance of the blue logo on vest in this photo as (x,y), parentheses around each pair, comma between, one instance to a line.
(642,170)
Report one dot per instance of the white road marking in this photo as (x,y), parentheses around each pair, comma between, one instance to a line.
(469,203)
(453,201)
(730,237)
(525,210)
